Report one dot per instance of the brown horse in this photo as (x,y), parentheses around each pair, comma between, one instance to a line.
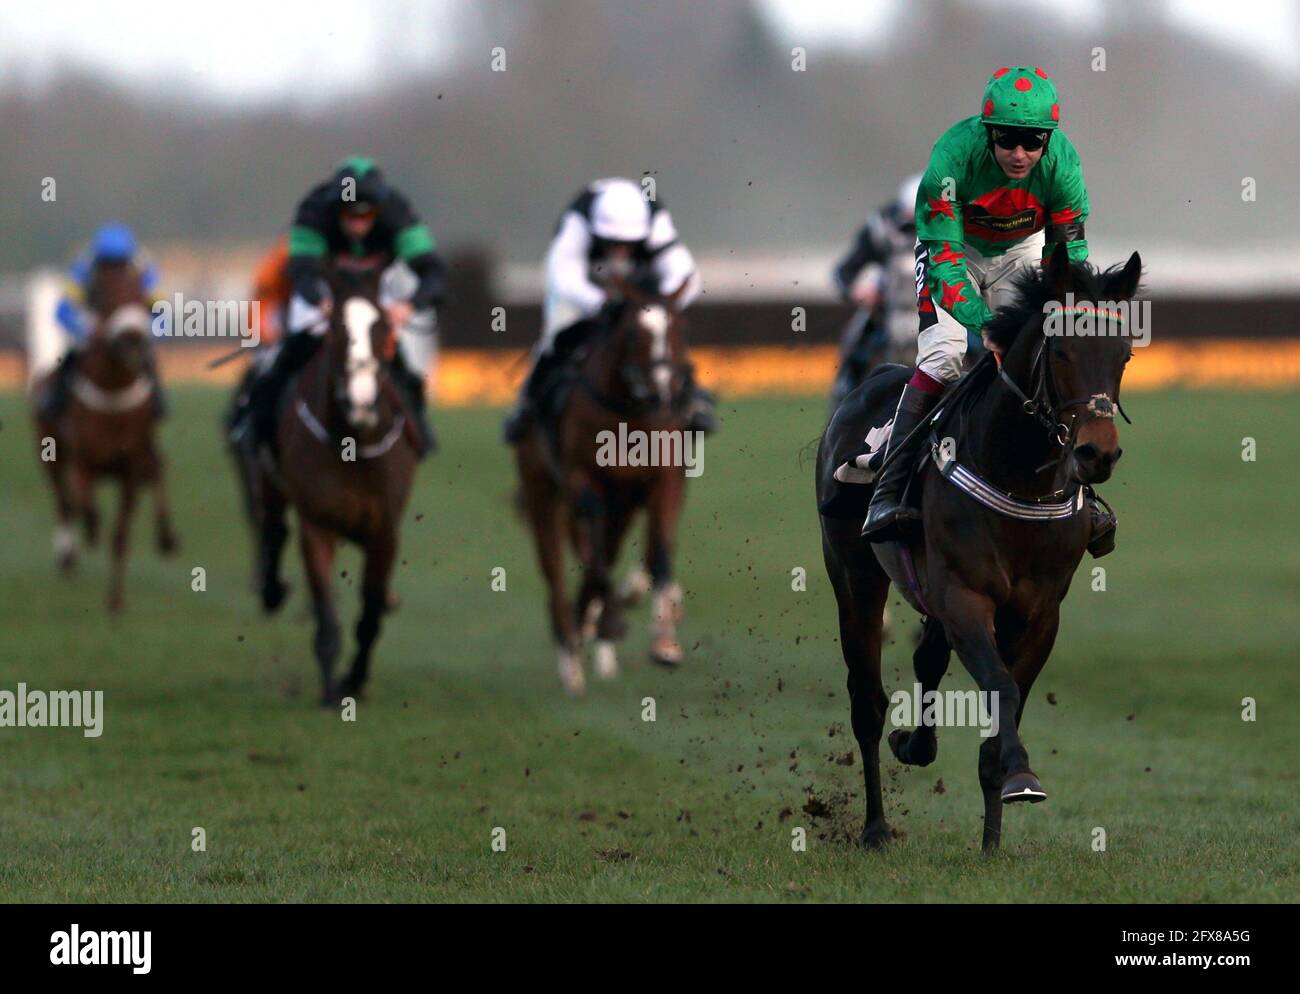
(347,455)
(618,445)
(1004,525)
(107,428)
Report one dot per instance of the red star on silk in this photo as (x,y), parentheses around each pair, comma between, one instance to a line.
(947,255)
(924,304)
(940,206)
(1064,216)
(951,294)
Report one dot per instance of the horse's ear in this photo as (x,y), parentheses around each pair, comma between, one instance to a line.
(1058,270)
(1127,283)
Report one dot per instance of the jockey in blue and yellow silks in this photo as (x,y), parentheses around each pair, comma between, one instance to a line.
(113,245)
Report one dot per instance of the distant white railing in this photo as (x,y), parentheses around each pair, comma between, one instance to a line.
(1171,270)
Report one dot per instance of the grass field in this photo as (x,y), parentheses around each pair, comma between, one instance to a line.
(211,716)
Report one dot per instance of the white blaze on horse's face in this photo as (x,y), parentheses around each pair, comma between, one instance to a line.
(359,317)
(129,319)
(654,319)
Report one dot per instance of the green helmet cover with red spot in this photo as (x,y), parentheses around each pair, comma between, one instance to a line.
(1021,97)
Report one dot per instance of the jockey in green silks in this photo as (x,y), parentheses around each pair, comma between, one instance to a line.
(1003,187)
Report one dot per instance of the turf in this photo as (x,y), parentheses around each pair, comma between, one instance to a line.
(211,717)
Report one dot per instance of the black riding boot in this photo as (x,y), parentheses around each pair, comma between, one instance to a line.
(55,400)
(524,416)
(161,408)
(702,416)
(885,512)
(263,399)
(412,386)
(1102,540)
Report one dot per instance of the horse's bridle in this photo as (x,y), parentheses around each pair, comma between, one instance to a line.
(643,398)
(1045,403)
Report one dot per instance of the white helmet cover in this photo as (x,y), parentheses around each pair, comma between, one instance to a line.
(907,199)
(619,213)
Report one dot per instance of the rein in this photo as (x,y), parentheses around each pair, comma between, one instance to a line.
(1044,403)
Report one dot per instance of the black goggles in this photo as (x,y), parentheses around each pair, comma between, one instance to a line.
(1013,138)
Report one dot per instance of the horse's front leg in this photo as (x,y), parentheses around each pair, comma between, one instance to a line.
(272,532)
(83,497)
(1025,646)
(318,561)
(611,625)
(920,746)
(121,544)
(166,534)
(591,526)
(380,554)
(65,540)
(663,509)
(545,508)
(968,623)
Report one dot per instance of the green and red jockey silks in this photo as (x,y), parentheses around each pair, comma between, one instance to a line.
(967,200)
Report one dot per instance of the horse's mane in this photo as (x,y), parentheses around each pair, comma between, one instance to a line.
(1034,289)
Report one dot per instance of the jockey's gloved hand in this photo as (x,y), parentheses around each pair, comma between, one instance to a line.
(399,313)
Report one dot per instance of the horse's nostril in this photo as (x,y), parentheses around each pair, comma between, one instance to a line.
(1086,453)
(1118,453)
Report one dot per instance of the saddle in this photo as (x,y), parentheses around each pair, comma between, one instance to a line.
(856,469)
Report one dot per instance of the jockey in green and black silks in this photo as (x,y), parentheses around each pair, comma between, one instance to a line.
(357,218)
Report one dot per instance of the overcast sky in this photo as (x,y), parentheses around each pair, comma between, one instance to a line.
(251,50)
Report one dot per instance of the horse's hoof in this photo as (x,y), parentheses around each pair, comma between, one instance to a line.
(589,623)
(666,652)
(876,835)
(332,697)
(572,678)
(168,544)
(606,659)
(273,596)
(634,586)
(903,744)
(1022,786)
(67,564)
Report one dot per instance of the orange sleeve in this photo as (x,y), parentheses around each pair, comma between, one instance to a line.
(271,286)
(271,281)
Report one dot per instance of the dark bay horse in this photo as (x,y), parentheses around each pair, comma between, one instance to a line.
(1004,524)
(347,456)
(107,430)
(583,479)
